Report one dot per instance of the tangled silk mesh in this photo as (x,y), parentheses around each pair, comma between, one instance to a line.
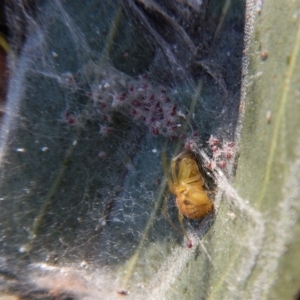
(97,91)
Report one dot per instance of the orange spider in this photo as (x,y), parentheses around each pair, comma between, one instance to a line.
(187,184)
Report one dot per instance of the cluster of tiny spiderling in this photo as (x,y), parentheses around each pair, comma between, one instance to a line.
(222,152)
(143,102)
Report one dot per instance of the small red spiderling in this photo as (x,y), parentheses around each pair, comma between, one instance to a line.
(89,94)
(228,155)
(190,145)
(66,114)
(164,98)
(123,293)
(157,104)
(131,88)
(222,164)
(214,148)
(102,105)
(189,244)
(121,97)
(154,130)
(136,103)
(133,112)
(213,141)
(228,149)
(106,118)
(209,165)
(152,97)
(105,130)
(173,111)
(144,86)
(69,119)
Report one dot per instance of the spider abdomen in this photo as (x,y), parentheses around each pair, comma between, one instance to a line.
(193,202)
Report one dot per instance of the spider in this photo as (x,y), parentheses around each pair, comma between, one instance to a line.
(188,185)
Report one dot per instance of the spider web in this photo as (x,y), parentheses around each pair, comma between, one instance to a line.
(82,183)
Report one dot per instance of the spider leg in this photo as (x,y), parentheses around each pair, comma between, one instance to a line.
(166,171)
(165,214)
(173,171)
(196,178)
(180,217)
